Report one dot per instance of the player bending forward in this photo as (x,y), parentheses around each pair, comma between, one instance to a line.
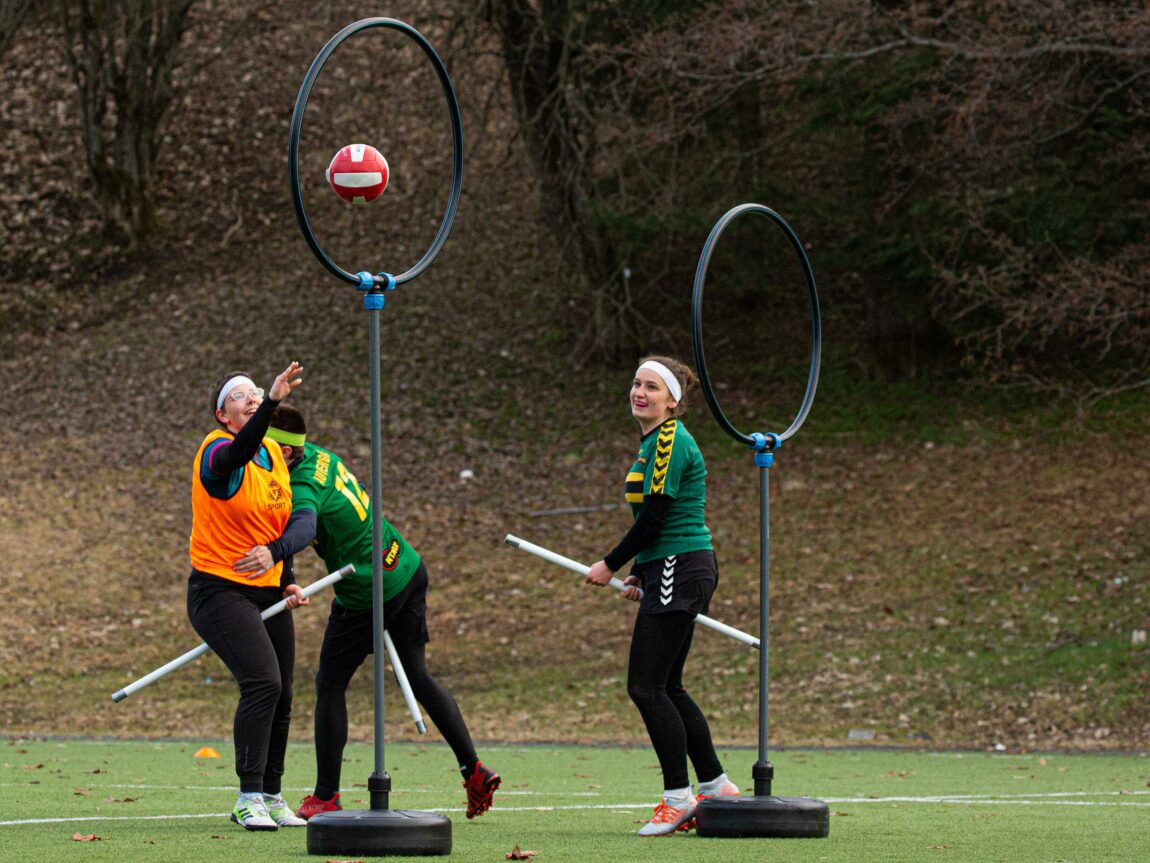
(331,511)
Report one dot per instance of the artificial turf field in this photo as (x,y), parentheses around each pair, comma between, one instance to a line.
(154,801)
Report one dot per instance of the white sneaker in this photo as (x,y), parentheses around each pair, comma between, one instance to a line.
(251,813)
(667,819)
(721,786)
(281,813)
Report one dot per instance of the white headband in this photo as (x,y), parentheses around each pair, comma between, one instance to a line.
(231,384)
(669,379)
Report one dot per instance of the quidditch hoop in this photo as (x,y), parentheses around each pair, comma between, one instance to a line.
(697,321)
(297,126)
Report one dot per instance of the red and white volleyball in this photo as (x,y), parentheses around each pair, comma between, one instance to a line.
(358,173)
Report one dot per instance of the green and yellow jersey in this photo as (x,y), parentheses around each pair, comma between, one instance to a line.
(670,463)
(321,482)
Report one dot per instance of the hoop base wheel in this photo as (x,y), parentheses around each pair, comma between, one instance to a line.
(379,833)
(774,817)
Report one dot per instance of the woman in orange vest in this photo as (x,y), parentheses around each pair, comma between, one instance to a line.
(241,496)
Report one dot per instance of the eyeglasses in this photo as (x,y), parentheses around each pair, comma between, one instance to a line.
(244,395)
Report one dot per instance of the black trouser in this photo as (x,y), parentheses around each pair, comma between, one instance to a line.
(347,642)
(260,655)
(678,729)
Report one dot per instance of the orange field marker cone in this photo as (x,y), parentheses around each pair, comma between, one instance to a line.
(206,752)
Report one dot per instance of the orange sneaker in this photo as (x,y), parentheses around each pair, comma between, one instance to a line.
(480,785)
(667,819)
(312,805)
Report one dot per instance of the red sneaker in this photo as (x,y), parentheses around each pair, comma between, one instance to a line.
(312,805)
(480,785)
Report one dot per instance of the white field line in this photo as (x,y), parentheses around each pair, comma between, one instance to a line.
(511,792)
(986,797)
(1051,799)
(449,809)
(1037,800)
(301,790)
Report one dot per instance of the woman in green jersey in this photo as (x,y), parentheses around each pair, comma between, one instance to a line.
(333,513)
(673,578)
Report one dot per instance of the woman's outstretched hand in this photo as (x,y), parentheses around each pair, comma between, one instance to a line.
(286,382)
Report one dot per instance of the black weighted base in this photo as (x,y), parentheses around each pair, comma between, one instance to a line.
(379,833)
(779,817)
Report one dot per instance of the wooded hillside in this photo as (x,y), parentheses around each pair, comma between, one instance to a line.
(954,561)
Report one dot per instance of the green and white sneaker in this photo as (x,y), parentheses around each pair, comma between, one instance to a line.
(281,813)
(251,813)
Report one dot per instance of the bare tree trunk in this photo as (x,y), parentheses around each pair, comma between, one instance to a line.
(539,42)
(122,54)
(12,13)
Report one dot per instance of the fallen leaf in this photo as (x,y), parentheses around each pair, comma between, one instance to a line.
(842,814)
(516,854)
(86,837)
(82,792)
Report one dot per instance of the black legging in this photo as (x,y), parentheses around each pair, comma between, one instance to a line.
(347,642)
(260,655)
(677,728)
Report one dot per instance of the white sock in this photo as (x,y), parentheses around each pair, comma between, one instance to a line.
(273,798)
(712,787)
(677,797)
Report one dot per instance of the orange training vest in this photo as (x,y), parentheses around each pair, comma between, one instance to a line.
(223,531)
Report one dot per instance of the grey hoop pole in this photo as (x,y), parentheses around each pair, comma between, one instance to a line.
(436,838)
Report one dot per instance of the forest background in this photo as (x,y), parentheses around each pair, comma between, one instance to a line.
(958,532)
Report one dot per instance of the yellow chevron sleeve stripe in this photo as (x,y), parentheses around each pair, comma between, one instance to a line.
(663,446)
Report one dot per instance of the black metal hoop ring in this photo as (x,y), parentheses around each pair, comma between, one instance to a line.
(297,126)
(756,441)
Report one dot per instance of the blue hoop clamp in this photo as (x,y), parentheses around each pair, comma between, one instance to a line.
(764,446)
(374,288)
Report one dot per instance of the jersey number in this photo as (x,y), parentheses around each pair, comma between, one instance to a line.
(346,485)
